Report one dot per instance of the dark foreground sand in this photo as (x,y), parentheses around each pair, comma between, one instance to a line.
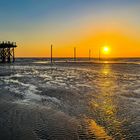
(69,102)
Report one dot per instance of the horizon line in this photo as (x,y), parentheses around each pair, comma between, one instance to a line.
(76,57)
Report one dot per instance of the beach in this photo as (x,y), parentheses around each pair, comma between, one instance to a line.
(70,101)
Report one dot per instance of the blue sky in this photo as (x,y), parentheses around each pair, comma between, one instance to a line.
(35,10)
(17,14)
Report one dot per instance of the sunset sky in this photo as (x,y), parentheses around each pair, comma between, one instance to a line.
(84,24)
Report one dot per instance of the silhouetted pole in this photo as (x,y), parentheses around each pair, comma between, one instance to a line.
(99,53)
(13,55)
(9,55)
(74,53)
(51,53)
(89,54)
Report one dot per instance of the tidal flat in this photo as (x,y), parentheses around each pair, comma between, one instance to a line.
(69,101)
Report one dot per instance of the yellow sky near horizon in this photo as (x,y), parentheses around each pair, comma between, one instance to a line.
(122,42)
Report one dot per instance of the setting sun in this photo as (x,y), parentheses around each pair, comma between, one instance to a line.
(106,50)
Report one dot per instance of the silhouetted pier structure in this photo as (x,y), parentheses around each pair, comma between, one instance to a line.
(7,53)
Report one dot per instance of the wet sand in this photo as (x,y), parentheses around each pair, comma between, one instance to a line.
(69,101)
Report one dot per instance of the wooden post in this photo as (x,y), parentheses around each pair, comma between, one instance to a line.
(75,54)
(99,53)
(3,55)
(8,55)
(51,54)
(89,54)
(13,55)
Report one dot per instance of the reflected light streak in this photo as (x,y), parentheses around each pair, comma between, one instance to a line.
(97,130)
(105,104)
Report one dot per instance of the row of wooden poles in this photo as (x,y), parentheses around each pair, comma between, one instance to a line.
(75,58)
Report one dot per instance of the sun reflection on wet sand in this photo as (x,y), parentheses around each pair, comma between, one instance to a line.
(105,105)
(97,130)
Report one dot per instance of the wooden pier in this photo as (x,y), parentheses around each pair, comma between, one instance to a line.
(7,54)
